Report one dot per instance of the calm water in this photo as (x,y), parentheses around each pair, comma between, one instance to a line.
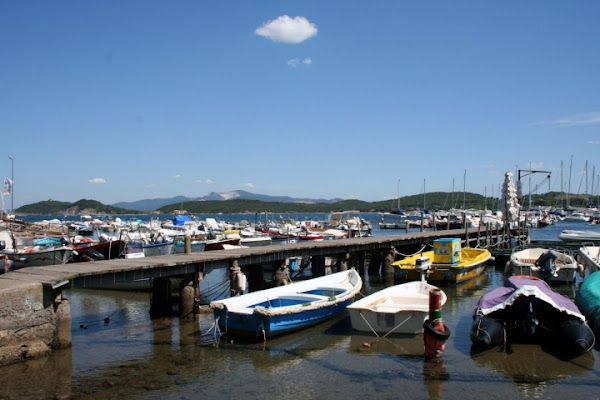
(135,357)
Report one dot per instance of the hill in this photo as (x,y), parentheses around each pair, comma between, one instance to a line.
(154,204)
(433,201)
(81,207)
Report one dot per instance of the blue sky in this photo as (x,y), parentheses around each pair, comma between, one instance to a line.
(128,100)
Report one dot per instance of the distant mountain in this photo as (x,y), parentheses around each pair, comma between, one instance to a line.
(151,204)
(154,204)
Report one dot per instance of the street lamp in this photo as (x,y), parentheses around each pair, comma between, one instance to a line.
(12,184)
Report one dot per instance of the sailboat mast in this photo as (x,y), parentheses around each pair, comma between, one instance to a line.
(424,195)
(569,188)
(398,194)
(464,189)
(562,189)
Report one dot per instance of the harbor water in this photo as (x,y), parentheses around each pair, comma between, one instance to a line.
(119,352)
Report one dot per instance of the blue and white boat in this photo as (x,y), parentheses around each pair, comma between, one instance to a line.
(287,308)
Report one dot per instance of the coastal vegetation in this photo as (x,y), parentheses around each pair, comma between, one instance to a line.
(433,200)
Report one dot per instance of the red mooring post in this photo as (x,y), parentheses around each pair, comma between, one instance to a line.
(435,333)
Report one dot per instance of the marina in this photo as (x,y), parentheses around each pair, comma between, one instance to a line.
(136,356)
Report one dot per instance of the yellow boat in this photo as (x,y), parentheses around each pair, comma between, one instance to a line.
(447,262)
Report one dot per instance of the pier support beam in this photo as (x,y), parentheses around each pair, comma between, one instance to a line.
(63,337)
(256,277)
(375,263)
(161,303)
(281,276)
(318,266)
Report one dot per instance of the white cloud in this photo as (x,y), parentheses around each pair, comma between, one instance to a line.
(97,180)
(591,118)
(207,181)
(176,176)
(151,185)
(287,30)
(249,185)
(594,142)
(295,61)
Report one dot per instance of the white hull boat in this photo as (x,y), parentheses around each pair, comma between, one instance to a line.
(590,257)
(550,265)
(397,309)
(582,236)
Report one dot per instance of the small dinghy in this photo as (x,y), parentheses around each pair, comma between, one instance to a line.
(527,310)
(551,265)
(287,308)
(397,309)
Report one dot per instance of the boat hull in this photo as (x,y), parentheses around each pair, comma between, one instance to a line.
(527,310)
(23,259)
(287,308)
(158,249)
(563,268)
(252,326)
(468,268)
(195,246)
(400,309)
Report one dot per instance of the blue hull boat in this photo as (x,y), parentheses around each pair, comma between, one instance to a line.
(287,308)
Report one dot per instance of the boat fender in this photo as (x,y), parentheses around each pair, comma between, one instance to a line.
(239,282)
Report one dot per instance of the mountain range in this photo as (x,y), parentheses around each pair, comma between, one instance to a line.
(153,204)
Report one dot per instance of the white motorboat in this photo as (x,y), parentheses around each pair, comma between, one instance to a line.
(544,263)
(590,257)
(582,236)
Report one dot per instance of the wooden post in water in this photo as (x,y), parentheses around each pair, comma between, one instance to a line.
(188,244)
(63,335)
(187,296)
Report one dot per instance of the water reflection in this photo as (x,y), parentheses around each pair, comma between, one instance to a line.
(531,368)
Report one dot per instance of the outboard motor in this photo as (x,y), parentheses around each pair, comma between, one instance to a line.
(530,323)
(546,263)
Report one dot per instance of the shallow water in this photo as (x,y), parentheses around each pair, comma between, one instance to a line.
(135,357)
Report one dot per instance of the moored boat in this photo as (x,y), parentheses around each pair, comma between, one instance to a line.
(588,301)
(590,257)
(449,263)
(527,310)
(397,309)
(158,249)
(196,246)
(287,308)
(551,265)
(581,236)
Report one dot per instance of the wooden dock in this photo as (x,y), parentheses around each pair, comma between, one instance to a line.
(128,270)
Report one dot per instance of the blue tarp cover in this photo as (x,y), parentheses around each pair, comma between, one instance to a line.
(181,219)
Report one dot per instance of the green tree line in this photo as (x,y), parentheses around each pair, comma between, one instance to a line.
(432,201)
